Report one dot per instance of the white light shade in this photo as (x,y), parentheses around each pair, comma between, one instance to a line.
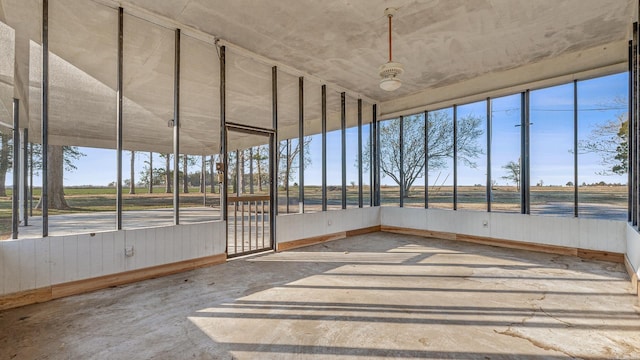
(390,83)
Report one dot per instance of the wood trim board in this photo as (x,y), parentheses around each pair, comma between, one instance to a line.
(91,284)
(550,249)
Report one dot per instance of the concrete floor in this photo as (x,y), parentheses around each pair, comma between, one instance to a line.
(372,296)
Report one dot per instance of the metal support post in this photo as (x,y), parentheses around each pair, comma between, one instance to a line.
(489,140)
(301,143)
(343,132)
(401,167)
(44,197)
(324,147)
(119,119)
(360,153)
(176,129)
(455,157)
(15,193)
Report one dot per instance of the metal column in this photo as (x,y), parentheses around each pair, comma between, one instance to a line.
(636,125)
(376,157)
(324,147)
(426,159)
(455,157)
(274,158)
(15,194)
(176,129)
(525,199)
(489,138)
(360,153)
(238,166)
(301,144)
(44,197)
(119,120)
(631,167)
(575,148)
(223,137)
(370,160)
(343,129)
(31,179)
(25,175)
(401,167)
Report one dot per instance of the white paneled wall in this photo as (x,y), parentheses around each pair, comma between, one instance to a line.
(591,234)
(28,264)
(633,248)
(35,263)
(292,227)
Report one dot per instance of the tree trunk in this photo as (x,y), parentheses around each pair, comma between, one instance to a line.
(259,166)
(185,175)
(167,174)
(4,162)
(251,171)
(241,182)
(150,172)
(55,178)
(211,174)
(132,180)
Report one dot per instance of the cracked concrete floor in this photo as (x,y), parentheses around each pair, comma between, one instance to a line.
(378,295)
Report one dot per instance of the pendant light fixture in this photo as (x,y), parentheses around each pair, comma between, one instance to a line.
(390,71)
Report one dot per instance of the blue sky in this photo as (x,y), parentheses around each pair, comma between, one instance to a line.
(551,141)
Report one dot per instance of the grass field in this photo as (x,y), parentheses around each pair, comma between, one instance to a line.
(551,200)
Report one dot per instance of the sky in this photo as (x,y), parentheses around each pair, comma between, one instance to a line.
(551,142)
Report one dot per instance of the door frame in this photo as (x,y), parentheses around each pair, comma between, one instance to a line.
(271,134)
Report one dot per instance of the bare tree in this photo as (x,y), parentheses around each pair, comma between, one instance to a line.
(440,144)
(292,161)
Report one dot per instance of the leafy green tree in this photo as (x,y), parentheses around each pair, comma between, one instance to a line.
(513,173)
(610,140)
(60,159)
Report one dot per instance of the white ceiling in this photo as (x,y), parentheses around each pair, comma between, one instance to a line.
(451,49)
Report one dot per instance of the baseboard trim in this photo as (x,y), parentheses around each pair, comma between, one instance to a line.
(550,249)
(23,298)
(87,285)
(295,244)
(635,282)
(290,245)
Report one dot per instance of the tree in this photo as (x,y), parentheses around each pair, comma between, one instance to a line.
(513,173)
(186,161)
(610,141)
(6,157)
(157,176)
(59,159)
(292,161)
(260,156)
(132,180)
(440,136)
(167,173)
